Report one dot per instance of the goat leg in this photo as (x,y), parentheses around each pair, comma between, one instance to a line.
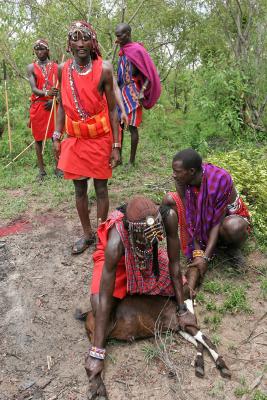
(219,362)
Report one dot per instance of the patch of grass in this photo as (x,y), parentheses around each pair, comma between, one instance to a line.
(217,287)
(216,339)
(259,395)
(263,287)
(151,352)
(210,305)
(200,298)
(217,391)
(236,302)
(241,390)
(213,321)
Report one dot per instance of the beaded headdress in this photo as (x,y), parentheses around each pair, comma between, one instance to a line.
(146,230)
(41,42)
(82,28)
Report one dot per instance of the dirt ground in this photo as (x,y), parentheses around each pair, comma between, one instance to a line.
(43,346)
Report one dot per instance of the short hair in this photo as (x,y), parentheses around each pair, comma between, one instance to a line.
(190,159)
(124,27)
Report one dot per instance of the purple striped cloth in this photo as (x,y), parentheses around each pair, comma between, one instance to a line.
(207,208)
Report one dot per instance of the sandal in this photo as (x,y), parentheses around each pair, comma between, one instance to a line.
(83,244)
(41,176)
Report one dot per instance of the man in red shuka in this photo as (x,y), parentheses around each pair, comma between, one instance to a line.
(88,111)
(42,76)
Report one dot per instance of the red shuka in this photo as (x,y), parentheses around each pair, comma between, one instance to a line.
(38,115)
(85,157)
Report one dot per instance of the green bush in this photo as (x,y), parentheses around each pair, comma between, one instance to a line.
(248,168)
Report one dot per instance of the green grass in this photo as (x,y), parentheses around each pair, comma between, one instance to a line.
(259,395)
(150,351)
(163,132)
(236,302)
(263,287)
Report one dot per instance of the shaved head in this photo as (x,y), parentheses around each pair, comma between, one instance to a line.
(123,27)
(123,34)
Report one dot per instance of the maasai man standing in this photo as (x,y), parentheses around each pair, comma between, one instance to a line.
(88,112)
(130,260)
(209,211)
(42,77)
(138,81)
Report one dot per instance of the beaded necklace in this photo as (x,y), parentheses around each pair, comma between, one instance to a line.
(82,70)
(81,111)
(45,69)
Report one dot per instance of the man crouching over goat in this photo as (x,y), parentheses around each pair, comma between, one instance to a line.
(133,279)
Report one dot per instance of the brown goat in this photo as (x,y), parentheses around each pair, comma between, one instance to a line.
(137,317)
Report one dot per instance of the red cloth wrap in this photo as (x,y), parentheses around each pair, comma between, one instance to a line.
(85,157)
(120,289)
(38,115)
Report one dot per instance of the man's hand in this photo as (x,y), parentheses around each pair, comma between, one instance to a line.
(53,92)
(200,263)
(114,158)
(56,147)
(124,120)
(187,320)
(93,368)
(48,105)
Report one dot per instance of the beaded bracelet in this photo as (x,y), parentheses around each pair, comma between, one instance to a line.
(56,135)
(116,145)
(198,253)
(96,352)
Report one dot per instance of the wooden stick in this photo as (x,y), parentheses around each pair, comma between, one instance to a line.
(23,151)
(48,123)
(7,109)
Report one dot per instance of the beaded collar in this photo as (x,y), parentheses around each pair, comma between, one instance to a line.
(45,69)
(152,230)
(76,98)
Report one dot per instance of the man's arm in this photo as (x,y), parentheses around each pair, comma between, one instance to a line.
(186,318)
(35,90)
(173,248)
(113,254)
(168,201)
(136,72)
(60,119)
(106,86)
(124,118)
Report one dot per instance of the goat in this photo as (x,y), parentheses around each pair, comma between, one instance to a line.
(136,316)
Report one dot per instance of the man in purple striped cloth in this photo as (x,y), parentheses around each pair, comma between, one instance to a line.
(210,211)
(138,81)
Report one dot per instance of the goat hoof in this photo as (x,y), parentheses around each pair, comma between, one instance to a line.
(199,367)
(222,367)
(225,373)
(95,396)
(199,372)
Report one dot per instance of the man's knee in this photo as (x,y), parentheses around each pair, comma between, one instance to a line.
(101,188)
(134,131)
(80,188)
(234,229)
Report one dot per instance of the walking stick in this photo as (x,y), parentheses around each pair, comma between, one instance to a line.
(7,109)
(23,151)
(48,123)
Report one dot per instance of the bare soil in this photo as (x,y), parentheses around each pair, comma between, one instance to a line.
(43,346)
